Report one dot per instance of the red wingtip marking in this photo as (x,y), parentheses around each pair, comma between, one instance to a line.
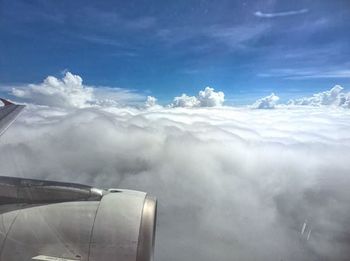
(5,102)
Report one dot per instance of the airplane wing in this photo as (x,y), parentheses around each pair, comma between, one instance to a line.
(57,221)
(8,114)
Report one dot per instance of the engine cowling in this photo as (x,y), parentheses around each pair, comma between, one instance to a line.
(65,222)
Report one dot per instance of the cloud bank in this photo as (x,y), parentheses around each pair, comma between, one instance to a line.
(334,97)
(70,92)
(232,183)
(66,92)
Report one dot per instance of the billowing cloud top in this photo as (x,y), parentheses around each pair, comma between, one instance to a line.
(185,101)
(68,92)
(206,98)
(209,98)
(334,97)
(268,102)
(150,102)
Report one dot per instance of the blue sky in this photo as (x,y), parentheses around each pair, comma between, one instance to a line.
(246,49)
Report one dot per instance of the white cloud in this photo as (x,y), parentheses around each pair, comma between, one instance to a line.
(268,102)
(66,92)
(210,98)
(118,96)
(280,14)
(334,97)
(150,102)
(206,98)
(70,92)
(232,183)
(185,101)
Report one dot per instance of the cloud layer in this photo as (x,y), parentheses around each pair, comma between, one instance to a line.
(232,183)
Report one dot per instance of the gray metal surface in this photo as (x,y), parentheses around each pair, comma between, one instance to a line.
(116,228)
(118,225)
(8,114)
(59,230)
(145,248)
(19,190)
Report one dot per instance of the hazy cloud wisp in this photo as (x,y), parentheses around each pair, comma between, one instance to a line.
(280,14)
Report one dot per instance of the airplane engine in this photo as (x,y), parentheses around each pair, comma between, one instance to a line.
(43,220)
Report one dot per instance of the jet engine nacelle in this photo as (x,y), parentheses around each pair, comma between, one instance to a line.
(57,221)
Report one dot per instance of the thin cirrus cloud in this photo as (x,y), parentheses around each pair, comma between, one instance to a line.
(233,37)
(305,73)
(281,14)
(322,75)
(237,36)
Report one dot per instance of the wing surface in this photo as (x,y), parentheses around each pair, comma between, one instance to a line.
(8,114)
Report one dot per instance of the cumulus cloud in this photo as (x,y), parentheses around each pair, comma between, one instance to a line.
(185,101)
(70,92)
(334,97)
(150,102)
(210,98)
(66,92)
(206,98)
(268,102)
(232,183)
